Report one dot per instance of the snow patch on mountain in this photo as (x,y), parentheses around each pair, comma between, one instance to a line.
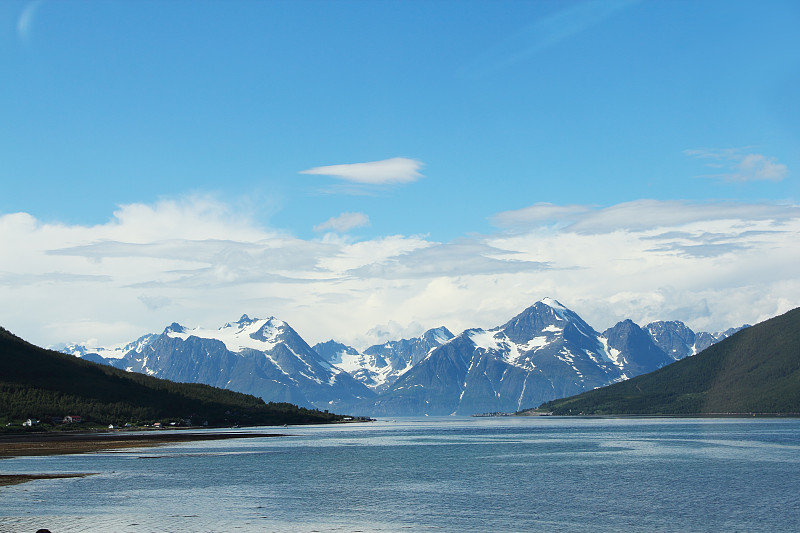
(114,351)
(255,334)
(484,339)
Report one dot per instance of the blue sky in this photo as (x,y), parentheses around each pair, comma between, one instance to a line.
(415,163)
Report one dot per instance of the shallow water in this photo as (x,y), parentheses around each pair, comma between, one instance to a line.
(449,474)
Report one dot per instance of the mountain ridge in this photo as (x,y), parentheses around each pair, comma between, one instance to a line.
(544,352)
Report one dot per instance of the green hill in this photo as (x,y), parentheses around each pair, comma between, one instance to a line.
(757,370)
(43,384)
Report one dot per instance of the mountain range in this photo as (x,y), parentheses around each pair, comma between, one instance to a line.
(545,352)
(42,384)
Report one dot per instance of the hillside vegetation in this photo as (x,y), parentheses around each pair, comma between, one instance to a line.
(43,384)
(757,370)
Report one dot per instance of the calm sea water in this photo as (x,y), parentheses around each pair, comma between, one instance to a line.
(446,475)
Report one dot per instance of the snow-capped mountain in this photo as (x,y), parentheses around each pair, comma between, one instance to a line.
(678,341)
(545,352)
(264,357)
(632,349)
(105,355)
(382,364)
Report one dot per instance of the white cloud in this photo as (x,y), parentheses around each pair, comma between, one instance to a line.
(388,171)
(198,262)
(740,166)
(344,222)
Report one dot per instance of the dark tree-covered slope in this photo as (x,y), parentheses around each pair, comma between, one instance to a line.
(39,383)
(757,370)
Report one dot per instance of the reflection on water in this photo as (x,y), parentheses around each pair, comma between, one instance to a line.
(448,474)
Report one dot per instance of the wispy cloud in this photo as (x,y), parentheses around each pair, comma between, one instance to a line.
(544,33)
(540,213)
(344,222)
(385,172)
(639,215)
(462,258)
(25,20)
(738,165)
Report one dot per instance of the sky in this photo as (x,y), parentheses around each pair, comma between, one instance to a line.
(367,170)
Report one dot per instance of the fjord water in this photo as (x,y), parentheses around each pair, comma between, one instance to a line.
(446,474)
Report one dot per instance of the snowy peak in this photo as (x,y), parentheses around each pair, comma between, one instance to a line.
(673,337)
(554,304)
(242,322)
(678,341)
(547,318)
(264,357)
(105,353)
(633,350)
(380,365)
(174,328)
(438,335)
(334,352)
(245,320)
(246,333)
(270,331)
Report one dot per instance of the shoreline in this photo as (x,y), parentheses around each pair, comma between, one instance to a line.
(7,480)
(37,444)
(33,444)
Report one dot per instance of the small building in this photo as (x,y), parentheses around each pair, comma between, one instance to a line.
(30,423)
(72,419)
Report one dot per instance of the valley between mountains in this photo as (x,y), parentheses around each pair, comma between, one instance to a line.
(544,353)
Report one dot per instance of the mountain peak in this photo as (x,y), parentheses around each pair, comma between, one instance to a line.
(552,302)
(438,335)
(175,328)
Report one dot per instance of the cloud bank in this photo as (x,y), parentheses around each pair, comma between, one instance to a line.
(199,262)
